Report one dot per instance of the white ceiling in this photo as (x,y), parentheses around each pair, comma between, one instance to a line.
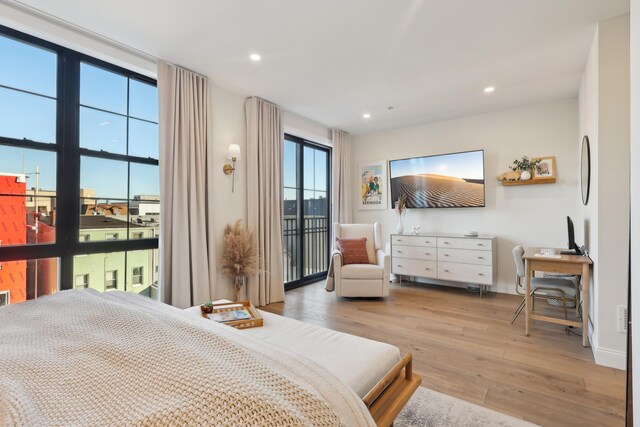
(333,60)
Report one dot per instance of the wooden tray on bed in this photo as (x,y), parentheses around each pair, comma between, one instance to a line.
(228,309)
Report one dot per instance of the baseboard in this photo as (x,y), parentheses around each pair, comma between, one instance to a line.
(609,357)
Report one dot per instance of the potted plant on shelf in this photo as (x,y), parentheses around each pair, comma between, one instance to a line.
(239,255)
(401,206)
(524,166)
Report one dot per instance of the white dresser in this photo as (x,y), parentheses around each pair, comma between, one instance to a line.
(445,257)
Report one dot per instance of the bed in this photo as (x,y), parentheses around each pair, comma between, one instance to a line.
(82,357)
(368,367)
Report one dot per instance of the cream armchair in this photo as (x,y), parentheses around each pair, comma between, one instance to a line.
(361,280)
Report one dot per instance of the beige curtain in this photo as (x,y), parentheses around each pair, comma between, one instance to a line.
(341,177)
(186,254)
(264,198)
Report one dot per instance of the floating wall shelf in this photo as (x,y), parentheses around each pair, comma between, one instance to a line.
(529,182)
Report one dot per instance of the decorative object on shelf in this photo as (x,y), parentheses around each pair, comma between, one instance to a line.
(538,170)
(471,233)
(509,176)
(401,208)
(585,170)
(239,255)
(233,154)
(415,230)
(373,186)
(524,166)
(545,167)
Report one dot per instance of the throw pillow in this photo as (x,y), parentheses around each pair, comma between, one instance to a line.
(354,251)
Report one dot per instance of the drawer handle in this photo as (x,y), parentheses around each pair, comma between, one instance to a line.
(399,265)
(427,268)
(427,253)
(427,241)
(446,254)
(400,252)
(446,243)
(480,244)
(480,257)
(446,271)
(480,274)
(399,240)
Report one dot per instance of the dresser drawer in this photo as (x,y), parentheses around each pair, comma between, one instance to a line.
(480,274)
(415,252)
(466,256)
(461,243)
(415,267)
(425,241)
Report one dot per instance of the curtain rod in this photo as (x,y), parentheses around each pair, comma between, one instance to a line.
(40,14)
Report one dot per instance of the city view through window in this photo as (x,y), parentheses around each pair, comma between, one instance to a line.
(79,200)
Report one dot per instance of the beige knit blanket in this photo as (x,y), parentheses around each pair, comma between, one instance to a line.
(114,359)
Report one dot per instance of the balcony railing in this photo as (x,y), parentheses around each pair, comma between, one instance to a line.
(314,253)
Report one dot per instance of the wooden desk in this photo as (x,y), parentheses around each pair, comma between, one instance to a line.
(567,264)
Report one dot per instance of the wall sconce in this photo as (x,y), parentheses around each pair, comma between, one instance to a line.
(233,154)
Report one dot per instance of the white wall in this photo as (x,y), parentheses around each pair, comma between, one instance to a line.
(605,118)
(635,200)
(302,127)
(587,218)
(228,127)
(532,215)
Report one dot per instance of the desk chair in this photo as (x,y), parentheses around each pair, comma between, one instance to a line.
(558,292)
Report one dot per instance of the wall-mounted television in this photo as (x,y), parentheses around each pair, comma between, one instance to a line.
(454,180)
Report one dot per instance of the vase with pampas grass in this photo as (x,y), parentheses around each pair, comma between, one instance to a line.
(239,255)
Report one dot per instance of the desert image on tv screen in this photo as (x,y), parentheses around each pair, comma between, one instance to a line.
(446,181)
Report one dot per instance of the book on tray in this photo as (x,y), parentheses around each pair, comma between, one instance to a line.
(240,315)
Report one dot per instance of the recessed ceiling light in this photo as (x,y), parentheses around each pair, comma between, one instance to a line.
(489,89)
(366,115)
(255,57)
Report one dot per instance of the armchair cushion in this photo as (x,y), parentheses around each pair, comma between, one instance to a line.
(362,271)
(358,231)
(354,251)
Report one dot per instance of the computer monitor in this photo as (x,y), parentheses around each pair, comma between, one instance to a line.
(573,246)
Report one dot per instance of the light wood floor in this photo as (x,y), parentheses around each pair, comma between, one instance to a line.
(464,346)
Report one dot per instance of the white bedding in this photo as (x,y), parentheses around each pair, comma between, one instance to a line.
(358,362)
(87,358)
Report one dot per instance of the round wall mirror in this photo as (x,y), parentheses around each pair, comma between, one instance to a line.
(585,169)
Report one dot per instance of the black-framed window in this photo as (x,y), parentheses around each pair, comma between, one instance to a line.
(5,298)
(137,276)
(306,210)
(111,279)
(81,281)
(78,162)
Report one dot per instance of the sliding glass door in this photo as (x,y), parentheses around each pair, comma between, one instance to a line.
(306,171)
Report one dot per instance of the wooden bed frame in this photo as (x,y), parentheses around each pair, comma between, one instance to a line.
(387,398)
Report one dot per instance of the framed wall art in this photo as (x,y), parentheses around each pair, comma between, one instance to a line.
(373,187)
(546,168)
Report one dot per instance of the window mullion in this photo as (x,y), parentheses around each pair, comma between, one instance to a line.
(68,183)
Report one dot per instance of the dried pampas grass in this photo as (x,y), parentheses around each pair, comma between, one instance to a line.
(239,251)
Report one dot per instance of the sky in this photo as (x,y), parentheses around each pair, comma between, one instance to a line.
(315,172)
(115,111)
(469,165)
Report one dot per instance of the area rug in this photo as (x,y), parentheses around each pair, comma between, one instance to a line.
(428,408)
